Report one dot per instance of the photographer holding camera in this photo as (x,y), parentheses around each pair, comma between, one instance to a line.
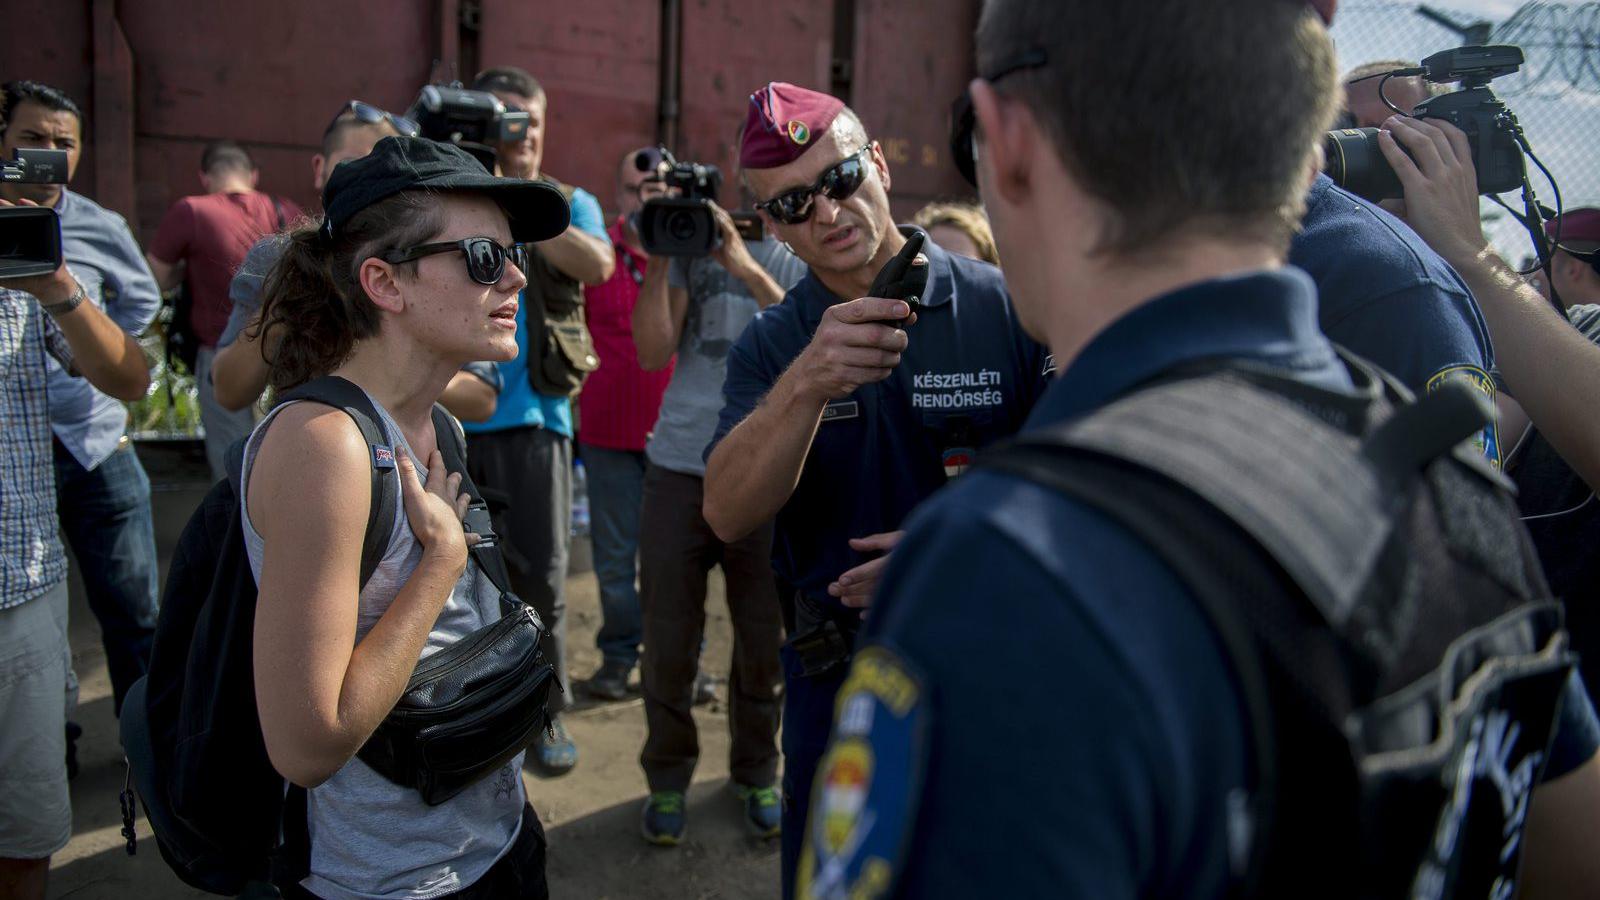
(103,494)
(49,326)
(522,456)
(698,311)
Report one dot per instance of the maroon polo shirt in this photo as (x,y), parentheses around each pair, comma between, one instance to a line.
(212,233)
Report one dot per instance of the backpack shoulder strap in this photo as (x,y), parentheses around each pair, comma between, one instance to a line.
(453,447)
(331,390)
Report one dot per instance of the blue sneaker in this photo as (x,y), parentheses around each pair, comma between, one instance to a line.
(663,821)
(763,810)
(554,750)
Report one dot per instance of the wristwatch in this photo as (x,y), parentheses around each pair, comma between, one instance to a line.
(67,305)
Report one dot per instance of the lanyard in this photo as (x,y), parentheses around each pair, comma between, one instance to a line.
(633,268)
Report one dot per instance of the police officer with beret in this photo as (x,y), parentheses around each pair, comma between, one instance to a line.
(844,411)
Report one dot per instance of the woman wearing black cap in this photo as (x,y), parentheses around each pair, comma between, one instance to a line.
(414,273)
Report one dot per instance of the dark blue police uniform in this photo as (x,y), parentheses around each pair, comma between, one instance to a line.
(969,377)
(1385,294)
(1110,769)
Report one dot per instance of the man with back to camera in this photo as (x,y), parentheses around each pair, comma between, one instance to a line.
(239,370)
(201,242)
(1138,258)
(616,410)
(698,311)
(102,491)
(844,411)
(522,455)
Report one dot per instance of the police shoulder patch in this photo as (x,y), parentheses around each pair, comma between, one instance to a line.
(1487,441)
(865,795)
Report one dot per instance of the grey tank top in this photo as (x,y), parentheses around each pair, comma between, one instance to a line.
(371,838)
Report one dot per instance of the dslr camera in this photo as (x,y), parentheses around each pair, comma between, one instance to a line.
(681,225)
(1356,164)
(475,121)
(30,236)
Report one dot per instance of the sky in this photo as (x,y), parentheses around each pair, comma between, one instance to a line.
(1562,121)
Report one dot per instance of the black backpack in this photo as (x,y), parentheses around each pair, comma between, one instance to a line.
(1396,647)
(224,819)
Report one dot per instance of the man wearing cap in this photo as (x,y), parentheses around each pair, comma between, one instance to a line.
(1118,764)
(844,411)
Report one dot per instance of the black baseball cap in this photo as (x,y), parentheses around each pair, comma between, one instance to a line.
(538,211)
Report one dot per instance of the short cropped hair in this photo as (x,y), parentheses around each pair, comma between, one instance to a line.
(333,138)
(1154,116)
(510,80)
(225,156)
(15,93)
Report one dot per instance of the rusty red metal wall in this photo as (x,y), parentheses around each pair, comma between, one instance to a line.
(159,78)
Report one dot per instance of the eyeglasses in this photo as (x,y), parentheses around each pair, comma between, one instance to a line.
(837,183)
(963,123)
(367,114)
(486,259)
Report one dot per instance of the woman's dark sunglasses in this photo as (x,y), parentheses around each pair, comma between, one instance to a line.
(367,114)
(486,260)
(837,183)
(963,122)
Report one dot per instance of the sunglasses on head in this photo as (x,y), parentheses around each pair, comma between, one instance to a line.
(486,258)
(367,114)
(837,183)
(964,123)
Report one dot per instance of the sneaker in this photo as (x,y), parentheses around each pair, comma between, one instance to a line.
(662,821)
(555,751)
(763,811)
(705,688)
(610,682)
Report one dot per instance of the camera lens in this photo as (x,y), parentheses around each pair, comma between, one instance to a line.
(1354,162)
(681,226)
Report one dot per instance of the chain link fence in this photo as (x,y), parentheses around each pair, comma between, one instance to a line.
(1556,95)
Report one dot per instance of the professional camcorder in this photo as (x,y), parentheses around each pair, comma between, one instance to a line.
(475,121)
(30,236)
(681,225)
(1355,162)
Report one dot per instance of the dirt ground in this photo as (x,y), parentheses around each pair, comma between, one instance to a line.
(591,814)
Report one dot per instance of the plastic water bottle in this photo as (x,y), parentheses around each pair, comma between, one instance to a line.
(580,500)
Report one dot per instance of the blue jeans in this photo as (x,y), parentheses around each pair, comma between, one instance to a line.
(105,513)
(616,490)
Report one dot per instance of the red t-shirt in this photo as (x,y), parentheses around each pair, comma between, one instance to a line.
(213,232)
(618,405)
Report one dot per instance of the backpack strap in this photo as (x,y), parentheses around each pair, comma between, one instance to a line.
(331,390)
(486,552)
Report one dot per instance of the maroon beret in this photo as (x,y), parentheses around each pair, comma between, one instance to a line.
(1324,9)
(784,121)
(1577,225)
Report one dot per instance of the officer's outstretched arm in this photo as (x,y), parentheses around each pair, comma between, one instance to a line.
(752,472)
(1562,856)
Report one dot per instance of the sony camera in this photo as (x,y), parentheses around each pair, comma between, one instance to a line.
(30,236)
(475,121)
(681,225)
(1356,164)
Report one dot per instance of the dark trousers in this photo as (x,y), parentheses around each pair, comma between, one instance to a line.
(525,475)
(807,720)
(677,550)
(105,514)
(616,488)
(519,875)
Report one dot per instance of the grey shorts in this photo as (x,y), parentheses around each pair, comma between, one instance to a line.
(35,809)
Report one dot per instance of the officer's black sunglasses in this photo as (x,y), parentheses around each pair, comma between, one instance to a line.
(963,122)
(841,180)
(486,259)
(367,114)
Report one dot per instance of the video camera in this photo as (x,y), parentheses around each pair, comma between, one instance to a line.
(475,121)
(1356,164)
(682,225)
(30,236)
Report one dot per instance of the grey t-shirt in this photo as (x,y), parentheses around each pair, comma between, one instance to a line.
(245,289)
(720,306)
(371,838)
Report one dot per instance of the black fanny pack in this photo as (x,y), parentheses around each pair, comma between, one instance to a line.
(471,707)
